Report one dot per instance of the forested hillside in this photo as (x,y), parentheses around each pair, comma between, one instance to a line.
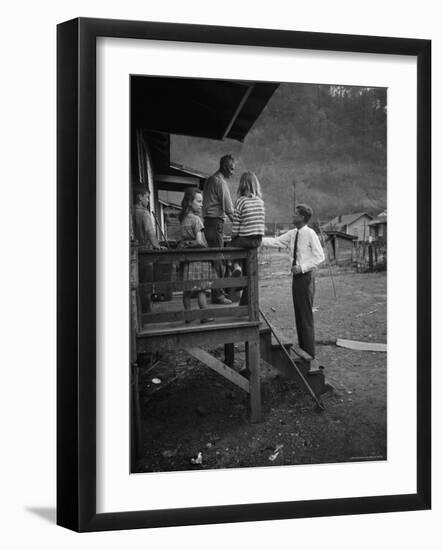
(327,144)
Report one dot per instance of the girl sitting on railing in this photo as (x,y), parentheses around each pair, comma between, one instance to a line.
(248,220)
(192,236)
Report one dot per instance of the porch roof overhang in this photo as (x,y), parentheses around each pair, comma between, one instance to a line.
(215,109)
(168,182)
(178,178)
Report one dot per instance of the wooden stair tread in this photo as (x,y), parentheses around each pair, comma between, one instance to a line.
(301,353)
(275,345)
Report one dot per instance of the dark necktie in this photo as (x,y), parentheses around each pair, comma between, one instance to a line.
(295,248)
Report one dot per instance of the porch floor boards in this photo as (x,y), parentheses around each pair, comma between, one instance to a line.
(179,327)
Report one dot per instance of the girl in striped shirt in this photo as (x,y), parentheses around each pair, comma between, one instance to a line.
(248,219)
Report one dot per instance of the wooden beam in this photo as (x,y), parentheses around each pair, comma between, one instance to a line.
(193,314)
(158,338)
(229,354)
(219,367)
(252,273)
(186,180)
(135,428)
(361,346)
(253,366)
(176,286)
(190,254)
(238,109)
(231,324)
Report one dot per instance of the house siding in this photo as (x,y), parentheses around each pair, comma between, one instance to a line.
(340,249)
(378,232)
(359,228)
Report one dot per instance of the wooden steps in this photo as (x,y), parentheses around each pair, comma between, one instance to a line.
(272,354)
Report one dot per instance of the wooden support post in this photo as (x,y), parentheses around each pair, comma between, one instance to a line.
(252,365)
(252,273)
(135,409)
(370,257)
(135,293)
(252,345)
(229,354)
(219,367)
(136,434)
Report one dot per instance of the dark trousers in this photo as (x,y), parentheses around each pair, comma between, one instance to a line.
(245,242)
(303,290)
(214,233)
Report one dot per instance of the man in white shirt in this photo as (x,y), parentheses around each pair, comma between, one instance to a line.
(306,254)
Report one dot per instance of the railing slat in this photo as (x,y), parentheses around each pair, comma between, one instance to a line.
(174,286)
(191,254)
(190,315)
(252,271)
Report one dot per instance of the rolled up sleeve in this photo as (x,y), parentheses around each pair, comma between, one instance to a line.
(278,242)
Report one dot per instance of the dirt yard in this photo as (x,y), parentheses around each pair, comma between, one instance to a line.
(193,410)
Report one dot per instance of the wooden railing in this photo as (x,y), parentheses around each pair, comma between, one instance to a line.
(157,272)
(154,272)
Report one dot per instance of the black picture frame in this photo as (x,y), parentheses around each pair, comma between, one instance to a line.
(76,274)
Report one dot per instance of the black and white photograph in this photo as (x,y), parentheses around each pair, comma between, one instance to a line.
(218,247)
(258,273)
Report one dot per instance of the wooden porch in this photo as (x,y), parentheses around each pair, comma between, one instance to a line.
(165,326)
(160,324)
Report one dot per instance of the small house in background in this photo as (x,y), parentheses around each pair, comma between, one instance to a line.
(355,225)
(339,246)
(378,228)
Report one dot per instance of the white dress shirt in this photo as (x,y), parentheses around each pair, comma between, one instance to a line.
(309,250)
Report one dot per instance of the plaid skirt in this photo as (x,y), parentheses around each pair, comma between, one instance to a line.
(191,271)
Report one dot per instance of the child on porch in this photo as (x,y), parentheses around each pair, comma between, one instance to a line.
(144,234)
(192,237)
(248,220)
(144,231)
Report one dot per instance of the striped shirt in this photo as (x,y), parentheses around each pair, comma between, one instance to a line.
(248,217)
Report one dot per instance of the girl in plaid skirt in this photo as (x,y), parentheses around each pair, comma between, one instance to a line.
(192,236)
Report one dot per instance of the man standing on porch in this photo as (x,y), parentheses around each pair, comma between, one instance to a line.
(306,255)
(217,204)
